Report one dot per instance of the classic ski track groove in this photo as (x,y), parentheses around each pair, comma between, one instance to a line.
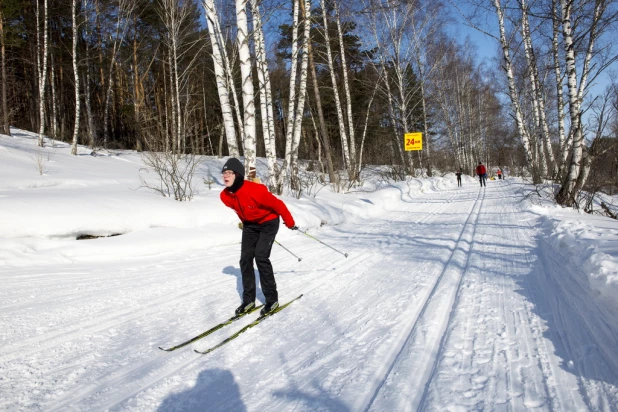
(440,353)
(375,227)
(428,300)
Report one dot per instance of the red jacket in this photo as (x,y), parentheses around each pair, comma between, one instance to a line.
(254,203)
(481,170)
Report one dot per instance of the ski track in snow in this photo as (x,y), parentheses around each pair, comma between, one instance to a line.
(452,301)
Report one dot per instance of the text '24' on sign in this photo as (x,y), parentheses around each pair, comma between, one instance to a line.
(413,141)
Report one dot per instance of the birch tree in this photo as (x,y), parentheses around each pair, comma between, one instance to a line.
(42,54)
(53,85)
(296,100)
(335,87)
(348,99)
(74,12)
(247,87)
(86,7)
(223,86)
(6,129)
(300,108)
(513,92)
(537,94)
(333,177)
(564,144)
(123,13)
(181,51)
(266,104)
(577,85)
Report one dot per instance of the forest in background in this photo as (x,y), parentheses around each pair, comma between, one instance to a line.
(333,84)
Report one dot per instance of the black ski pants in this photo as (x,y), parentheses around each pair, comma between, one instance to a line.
(257,242)
(483,180)
(458,181)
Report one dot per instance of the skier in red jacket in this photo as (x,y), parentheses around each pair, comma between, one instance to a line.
(259,211)
(481,171)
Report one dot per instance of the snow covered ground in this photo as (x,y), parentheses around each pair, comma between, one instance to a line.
(451,299)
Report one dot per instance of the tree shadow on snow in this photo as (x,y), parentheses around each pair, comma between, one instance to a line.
(234,271)
(316,398)
(319,401)
(215,390)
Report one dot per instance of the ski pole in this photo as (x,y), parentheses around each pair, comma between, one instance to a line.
(288,250)
(344,254)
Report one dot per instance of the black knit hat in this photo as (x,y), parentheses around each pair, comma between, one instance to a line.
(235,166)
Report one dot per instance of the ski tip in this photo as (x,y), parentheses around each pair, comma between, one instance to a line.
(167,350)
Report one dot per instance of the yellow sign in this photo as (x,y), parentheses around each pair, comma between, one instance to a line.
(413,141)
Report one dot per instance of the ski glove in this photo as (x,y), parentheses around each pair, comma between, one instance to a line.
(294,227)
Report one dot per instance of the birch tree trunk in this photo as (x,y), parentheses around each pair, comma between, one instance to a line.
(564,144)
(266,111)
(6,127)
(568,192)
(42,53)
(76,76)
(538,97)
(426,128)
(331,69)
(175,81)
(302,93)
(359,164)
(391,111)
(172,19)
(513,94)
(88,96)
(54,99)
(125,9)
(289,132)
(229,77)
(247,87)
(137,97)
(346,87)
(221,77)
(334,178)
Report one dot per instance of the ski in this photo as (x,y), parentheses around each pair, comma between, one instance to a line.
(249,326)
(211,330)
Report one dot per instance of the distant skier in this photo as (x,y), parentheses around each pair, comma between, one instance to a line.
(259,211)
(499,173)
(458,174)
(481,171)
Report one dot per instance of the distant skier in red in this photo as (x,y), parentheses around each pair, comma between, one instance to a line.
(481,171)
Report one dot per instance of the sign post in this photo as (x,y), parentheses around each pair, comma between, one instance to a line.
(413,141)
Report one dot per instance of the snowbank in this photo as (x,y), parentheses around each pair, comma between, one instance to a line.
(49,198)
(588,244)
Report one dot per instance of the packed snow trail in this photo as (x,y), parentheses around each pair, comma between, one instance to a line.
(450,301)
